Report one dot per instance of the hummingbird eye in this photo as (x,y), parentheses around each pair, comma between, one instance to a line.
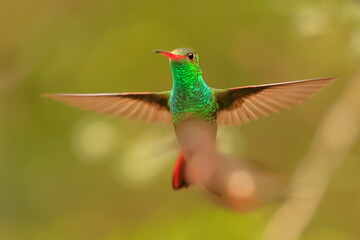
(191,56)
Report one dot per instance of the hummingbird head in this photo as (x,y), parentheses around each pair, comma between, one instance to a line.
(181,55)
(183,58)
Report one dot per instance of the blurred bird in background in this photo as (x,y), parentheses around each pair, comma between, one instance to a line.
(195,110)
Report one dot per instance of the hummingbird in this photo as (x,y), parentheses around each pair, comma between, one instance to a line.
(195,109)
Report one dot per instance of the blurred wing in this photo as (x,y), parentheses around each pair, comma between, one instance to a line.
(145,106)
(243,104)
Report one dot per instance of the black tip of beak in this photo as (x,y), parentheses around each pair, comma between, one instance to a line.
(160,51)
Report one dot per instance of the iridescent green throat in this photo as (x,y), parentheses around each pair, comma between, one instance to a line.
(190,96)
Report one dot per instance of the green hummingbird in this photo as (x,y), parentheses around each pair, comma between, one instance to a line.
(196,109)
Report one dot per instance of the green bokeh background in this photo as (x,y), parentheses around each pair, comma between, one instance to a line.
(65,174)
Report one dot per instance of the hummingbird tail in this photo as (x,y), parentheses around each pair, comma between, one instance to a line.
(179,173)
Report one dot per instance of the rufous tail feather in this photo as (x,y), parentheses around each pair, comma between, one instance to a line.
(179,180)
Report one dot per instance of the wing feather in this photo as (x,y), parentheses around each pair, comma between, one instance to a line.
(243,104)
(146,106)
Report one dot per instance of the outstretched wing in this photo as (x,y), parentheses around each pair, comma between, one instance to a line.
(243,104)
(146,106)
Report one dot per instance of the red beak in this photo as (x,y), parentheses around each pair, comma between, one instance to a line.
(169,54)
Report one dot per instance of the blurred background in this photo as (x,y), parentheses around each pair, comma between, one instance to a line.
(68,174)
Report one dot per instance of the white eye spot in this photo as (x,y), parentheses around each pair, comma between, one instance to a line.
(191,56)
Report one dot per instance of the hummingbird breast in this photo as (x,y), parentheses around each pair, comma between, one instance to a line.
(192,102)
(193,107)
(194,117)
